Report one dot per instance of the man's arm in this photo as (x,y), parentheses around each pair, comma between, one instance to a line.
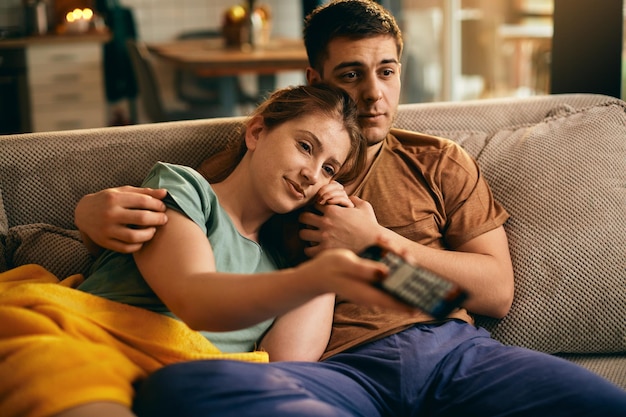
(121,219)
(482,265)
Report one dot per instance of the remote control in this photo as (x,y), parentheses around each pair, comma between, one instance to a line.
(416,286)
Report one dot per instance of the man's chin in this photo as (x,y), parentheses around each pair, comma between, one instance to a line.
(374,135)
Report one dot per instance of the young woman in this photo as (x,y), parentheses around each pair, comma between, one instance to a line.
(68,352)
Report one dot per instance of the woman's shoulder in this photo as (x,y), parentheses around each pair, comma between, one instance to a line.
(187,189)
(174,171)
(173,176)
(181,182)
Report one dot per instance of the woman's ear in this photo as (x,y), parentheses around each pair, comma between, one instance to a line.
(253,131)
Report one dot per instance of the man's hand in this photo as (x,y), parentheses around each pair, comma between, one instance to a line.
(121,219)
(340,227)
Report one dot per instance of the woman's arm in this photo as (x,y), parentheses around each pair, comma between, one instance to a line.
(303,333)
(178,265)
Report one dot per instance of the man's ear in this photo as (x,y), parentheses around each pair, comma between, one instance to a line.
(254,129)
(312,76)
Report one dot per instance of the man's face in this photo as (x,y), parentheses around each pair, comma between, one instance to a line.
(369,70)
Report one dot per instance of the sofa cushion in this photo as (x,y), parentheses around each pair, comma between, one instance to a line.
(564,183)
(58,250)
(4,226)
(472,141)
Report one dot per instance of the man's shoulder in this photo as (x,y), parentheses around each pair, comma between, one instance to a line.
(418,142)
(412,138)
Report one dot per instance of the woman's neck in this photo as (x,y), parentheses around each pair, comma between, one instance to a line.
(238,198)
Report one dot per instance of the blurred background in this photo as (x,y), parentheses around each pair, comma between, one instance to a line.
(454,49)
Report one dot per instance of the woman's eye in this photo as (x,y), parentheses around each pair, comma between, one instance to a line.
(305,147)
(330,171)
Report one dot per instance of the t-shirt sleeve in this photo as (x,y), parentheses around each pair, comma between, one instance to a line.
(469,203)
(430,190)
(187,191)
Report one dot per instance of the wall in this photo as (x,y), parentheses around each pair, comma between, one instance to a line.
(161,20)
(10,13)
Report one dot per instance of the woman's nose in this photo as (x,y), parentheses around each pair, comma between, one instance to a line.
(310,174)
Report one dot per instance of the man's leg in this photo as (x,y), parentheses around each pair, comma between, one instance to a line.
(219,388)
(482,377)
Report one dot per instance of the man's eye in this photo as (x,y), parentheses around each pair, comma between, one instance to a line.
(350,75)
(388,72)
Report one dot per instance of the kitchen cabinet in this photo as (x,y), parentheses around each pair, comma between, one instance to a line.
(66,85)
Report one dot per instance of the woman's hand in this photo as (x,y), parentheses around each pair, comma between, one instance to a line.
(330,226)
(342,272)
(334,193)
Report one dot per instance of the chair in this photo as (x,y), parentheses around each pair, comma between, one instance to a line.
(150,93)
(206,90)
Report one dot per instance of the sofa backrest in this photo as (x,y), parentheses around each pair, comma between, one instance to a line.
(43,175)
(556,163)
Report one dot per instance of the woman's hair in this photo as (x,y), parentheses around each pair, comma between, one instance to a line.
(291,103)
(352,19)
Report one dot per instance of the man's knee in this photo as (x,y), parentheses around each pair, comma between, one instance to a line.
(228,388)
(171,389)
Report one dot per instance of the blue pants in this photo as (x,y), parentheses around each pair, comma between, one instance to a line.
(452,369)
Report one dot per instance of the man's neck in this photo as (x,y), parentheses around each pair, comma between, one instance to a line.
(372,152)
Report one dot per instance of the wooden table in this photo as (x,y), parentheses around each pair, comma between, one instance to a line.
(210,57)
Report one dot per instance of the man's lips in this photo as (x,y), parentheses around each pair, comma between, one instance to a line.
(372,116)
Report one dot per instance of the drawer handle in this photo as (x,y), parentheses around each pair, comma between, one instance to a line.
(67,77)
(68,97)
(62,58)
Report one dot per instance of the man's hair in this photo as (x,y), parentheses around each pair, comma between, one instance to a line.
(352,19)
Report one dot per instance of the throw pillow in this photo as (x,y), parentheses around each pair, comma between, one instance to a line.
(564,183)
(60,251)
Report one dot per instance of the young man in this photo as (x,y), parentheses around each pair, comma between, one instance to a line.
(427,196)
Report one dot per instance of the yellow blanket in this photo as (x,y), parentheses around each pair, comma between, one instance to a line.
(60,347)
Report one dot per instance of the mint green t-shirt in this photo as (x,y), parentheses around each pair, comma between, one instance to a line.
(116,277)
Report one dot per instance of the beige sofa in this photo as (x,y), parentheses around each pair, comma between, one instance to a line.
(557,163)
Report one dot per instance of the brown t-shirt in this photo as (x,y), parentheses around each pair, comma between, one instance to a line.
(429,190)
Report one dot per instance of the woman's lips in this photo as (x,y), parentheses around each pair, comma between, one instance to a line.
(295,189)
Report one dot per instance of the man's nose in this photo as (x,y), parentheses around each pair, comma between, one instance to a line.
(372,90)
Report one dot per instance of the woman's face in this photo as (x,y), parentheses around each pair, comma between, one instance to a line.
(292,161)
